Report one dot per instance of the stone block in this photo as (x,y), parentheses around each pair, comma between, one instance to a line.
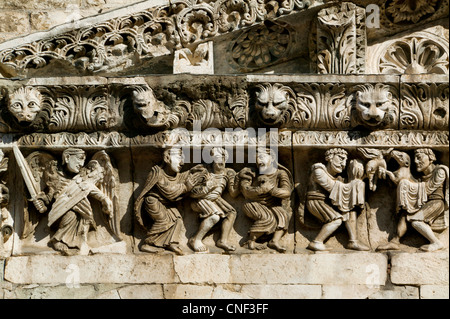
(177,291)
(202,268)
(38,4)
(141,292)
(90,269)
(14,21)
(282,291)
(420,268)
(348,291)
(328,268)
(434,292)
(400,292)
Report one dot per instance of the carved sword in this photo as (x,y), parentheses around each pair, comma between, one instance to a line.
(28,178)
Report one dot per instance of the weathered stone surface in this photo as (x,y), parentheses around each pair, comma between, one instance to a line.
(400,292)
(90,269)
(420,268)
(182,291)
(355,268)
(348,291)
(13,21)
(201,268)
(141,292)
(282,291)
(434,292)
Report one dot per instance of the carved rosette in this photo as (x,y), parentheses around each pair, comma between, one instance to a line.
(420,53)
(261,46)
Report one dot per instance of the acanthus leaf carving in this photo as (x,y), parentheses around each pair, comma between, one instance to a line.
(338,40)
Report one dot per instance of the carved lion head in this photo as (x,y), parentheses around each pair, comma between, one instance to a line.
(25,104)
(373,106)
(273,102)
(151,112)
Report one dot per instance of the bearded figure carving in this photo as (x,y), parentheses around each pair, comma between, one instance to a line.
(373,107)
(25,104)
(274,104)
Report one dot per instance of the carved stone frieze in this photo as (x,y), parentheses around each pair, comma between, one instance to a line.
(424,106)
(130,40)
(406,13)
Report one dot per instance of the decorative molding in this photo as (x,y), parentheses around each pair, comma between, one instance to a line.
(129,40)
(376,139)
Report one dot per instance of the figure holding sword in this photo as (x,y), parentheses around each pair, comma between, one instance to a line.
(64,191)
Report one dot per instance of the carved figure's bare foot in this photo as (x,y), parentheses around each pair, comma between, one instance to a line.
(317,246)
(64,249)
(276,246)
(389,246)
(197,246)
(225,246)
(176,249)
(356,245)
(151,249)
(252,245)
(432,247)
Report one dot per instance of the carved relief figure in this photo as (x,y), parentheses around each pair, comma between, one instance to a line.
(422,203)
(273,103)
(269,194)
(211,206)
(332,201)
(64,191)
(25,104)
(373,107)
(165,186)
(375,162)
(6,229)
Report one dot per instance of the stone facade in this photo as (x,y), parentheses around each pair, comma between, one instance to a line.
(214,149)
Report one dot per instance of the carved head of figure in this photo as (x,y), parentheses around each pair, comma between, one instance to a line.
(402,158)
(273,103)
(219,156)
(266,160)
(424,158)
(174,158)
(25,104)
(373,106)
(150,111)
(74,159)
(337,160)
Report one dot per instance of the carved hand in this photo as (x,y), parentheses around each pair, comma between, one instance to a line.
(194,179)
(40,206)
(108,207)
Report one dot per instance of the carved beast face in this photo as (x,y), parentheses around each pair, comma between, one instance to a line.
(272,103)
(25,104)
(151,111)
(373,106)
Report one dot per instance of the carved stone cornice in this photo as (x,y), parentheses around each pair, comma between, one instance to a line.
(130,39)
(146,106)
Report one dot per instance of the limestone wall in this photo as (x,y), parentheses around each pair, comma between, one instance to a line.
(21,17)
